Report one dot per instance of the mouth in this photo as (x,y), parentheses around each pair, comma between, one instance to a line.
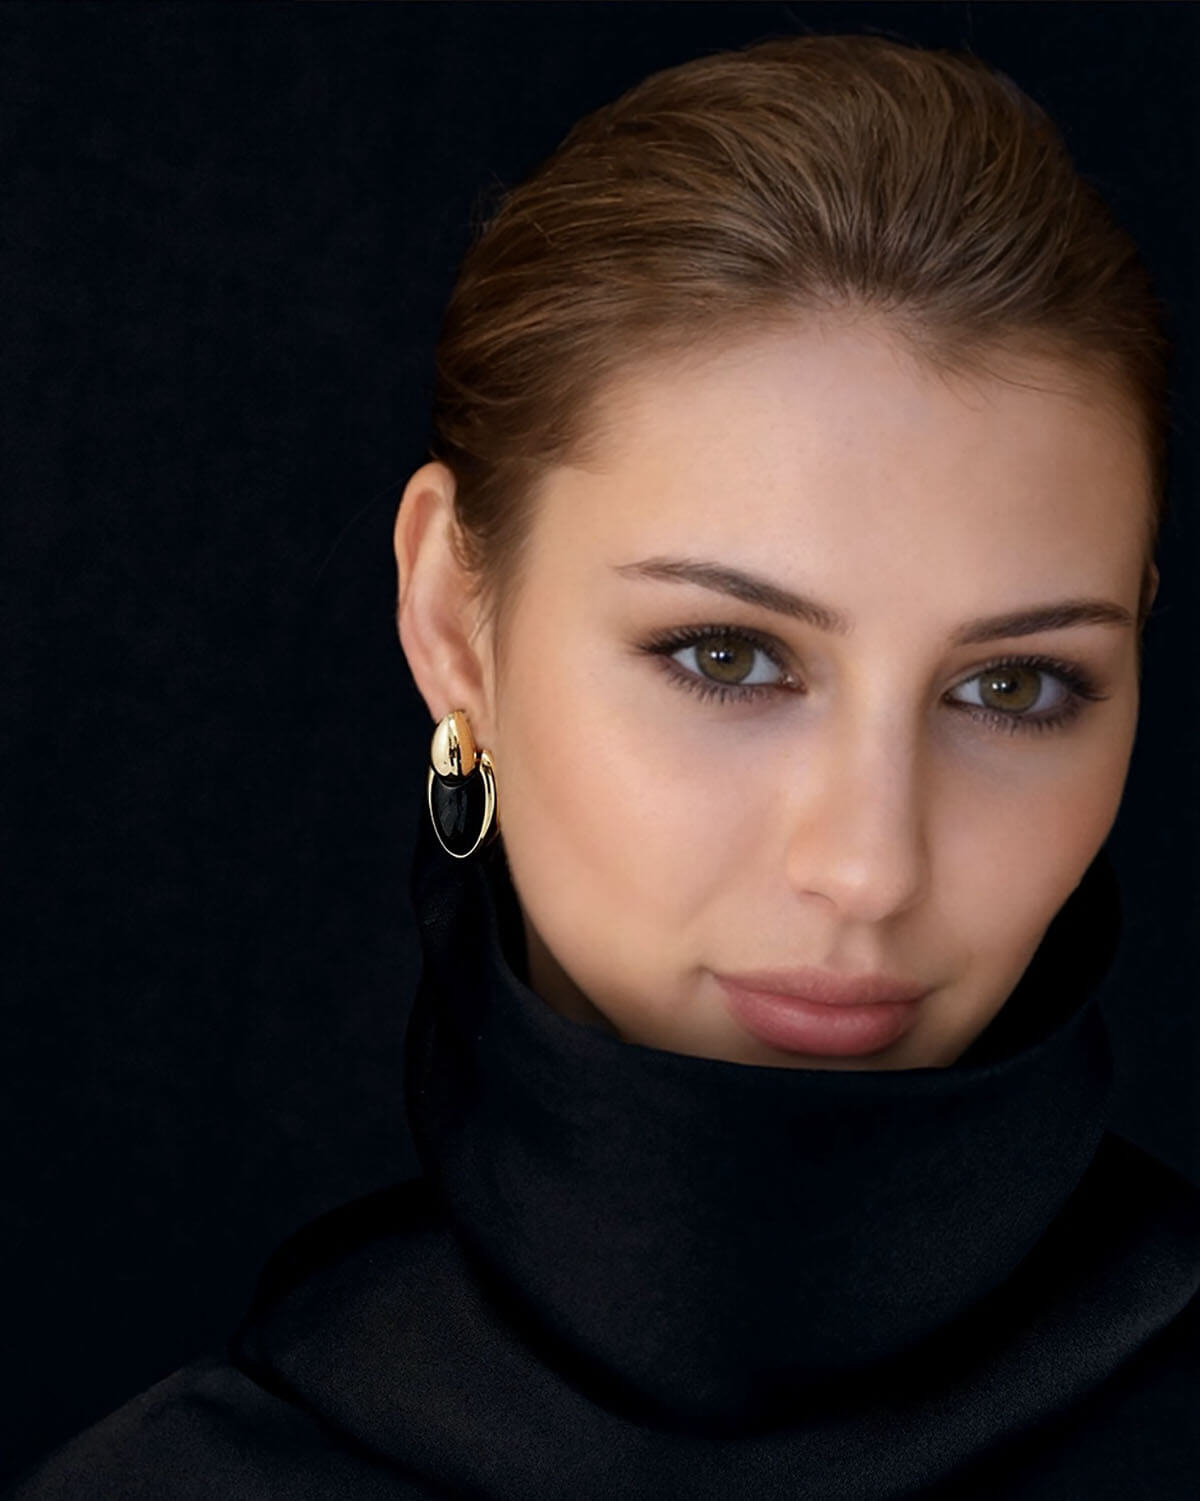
(831,1017)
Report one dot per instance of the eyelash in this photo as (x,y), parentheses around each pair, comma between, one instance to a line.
(1081,687)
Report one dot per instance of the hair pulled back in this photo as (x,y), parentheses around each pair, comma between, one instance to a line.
(732,193)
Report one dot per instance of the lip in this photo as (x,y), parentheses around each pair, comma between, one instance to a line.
(816,1011)
(824,987)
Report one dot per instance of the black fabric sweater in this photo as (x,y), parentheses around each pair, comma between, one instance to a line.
(628,1273)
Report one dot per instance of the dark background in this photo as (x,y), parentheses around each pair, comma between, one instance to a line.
(228,235)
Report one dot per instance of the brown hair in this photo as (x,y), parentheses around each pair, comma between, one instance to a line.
(793,176)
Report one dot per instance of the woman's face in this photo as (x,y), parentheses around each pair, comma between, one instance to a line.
(906,776)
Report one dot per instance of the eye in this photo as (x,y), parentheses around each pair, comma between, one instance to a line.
(729,660)
(719,662)
(1029,693)
(725,663)
(1017,688)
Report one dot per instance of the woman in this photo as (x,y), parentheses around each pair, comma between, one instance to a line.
(776,587)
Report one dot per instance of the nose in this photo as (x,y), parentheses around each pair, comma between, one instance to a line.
(859,833)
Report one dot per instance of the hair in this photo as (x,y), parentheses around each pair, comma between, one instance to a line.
(794,177)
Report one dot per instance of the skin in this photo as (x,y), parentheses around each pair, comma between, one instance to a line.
(859,816)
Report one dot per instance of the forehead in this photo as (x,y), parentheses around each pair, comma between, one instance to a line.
(830,446)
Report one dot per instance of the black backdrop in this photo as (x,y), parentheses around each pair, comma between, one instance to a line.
(229,232)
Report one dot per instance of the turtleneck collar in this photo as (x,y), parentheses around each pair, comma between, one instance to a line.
(710,1241)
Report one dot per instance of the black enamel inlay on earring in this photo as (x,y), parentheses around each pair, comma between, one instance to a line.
(458,808)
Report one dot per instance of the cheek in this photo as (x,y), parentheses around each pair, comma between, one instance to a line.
(597,795)
(1015,850)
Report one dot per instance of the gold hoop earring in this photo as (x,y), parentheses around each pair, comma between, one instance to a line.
(460,788)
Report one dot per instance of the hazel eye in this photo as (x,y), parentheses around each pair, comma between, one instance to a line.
(1012,694)
(728,658)
(1017,688)
(1031,694)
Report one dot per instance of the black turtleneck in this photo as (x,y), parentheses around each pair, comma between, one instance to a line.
(628,1273)
(719,1244)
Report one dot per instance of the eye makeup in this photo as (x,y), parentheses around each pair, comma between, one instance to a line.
(1078,685)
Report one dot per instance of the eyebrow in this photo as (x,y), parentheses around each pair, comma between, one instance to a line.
(755,590)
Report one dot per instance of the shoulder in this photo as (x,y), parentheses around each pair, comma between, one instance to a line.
(346,1235)
(1126,1316)
(209,1431)
(217,1428)
(1132,1188)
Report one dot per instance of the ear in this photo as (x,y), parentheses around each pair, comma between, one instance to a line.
(1150,587)
(436,616)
